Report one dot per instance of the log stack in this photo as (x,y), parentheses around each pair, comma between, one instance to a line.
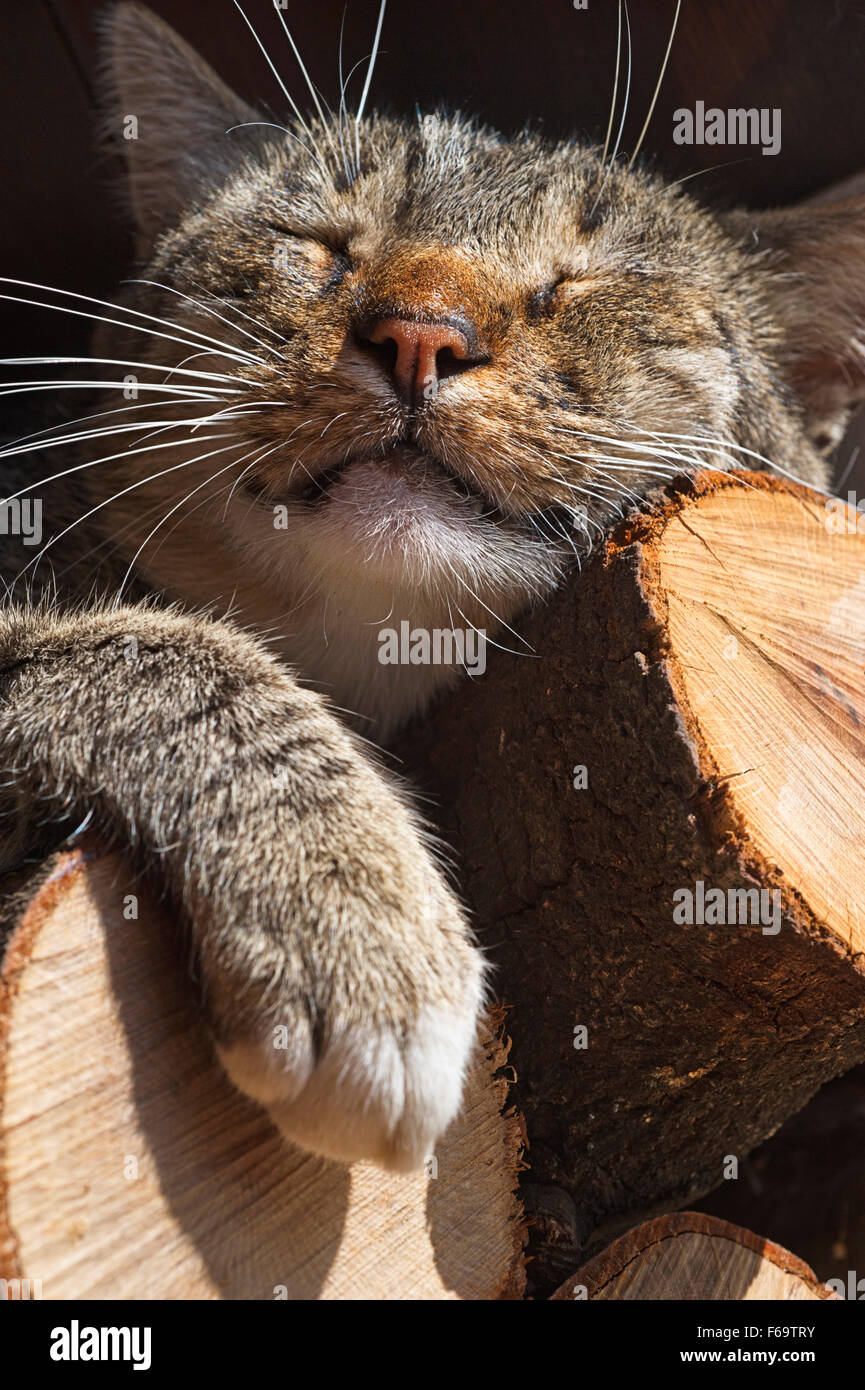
(660,823)
(689,1257)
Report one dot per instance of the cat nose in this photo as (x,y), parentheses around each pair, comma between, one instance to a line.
(420,355)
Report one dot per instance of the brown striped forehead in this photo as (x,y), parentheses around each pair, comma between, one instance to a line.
(436,282)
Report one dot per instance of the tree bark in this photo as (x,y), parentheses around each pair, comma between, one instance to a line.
(805,1187)
(706,672)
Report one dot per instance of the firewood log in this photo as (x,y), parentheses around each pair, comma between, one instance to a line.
(130,1167)
(690,1256)
(659,821)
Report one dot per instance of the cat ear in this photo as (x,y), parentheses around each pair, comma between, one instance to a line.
(813,274)
(170,112)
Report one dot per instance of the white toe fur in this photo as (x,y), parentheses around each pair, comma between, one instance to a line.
(369,1096)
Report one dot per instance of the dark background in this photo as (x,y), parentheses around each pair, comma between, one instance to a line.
(62,222)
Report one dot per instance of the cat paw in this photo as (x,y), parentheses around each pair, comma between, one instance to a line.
(376,1091)
(366,1018)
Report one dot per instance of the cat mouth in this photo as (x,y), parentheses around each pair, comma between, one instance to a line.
(419,472)
(399,461)
(554,521)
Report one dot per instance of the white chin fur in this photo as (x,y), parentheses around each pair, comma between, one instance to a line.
(386,545)
(403,525)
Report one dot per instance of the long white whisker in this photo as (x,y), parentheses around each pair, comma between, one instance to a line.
(239,479)
(141,482)
(306,77)
(101,432)
(243,125)
(225,348)
(206,309)
(453,628)
(239,406)
(178,505)
(7,388)
(265,327)
(342,414)
(301,64)
(242,409)
(487,640)
(709,169)
(130,327)
(111,543)
(493,615)
(663,450)
(659,448)
(658,87)
(614,155)
(342,114)
(109,458)
(364,94)
(660,467)
(724,444)
(627,95)
(351,171)
(611,441)
(543,520)
(100,414)
(615,87)
(121,362)
(286,93)
(614,464)
(581,488)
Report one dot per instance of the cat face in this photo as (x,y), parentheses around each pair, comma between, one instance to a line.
(465,351)
(449,357)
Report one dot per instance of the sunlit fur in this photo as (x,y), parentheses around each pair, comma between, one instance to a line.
(618,333)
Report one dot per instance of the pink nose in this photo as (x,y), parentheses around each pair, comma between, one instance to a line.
(421,355)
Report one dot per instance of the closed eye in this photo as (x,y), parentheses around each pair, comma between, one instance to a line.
(545,300)
(335,246)
(541,301)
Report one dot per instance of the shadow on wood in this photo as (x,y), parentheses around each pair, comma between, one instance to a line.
(132,1169)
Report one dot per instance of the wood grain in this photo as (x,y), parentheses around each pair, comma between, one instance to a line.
(132,1169)
(778,708)
(690,1256)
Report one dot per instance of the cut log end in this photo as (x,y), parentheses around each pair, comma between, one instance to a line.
(130,1168)
(761,589)
(689,1256)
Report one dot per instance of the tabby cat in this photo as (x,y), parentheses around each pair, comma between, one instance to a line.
(375,371)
